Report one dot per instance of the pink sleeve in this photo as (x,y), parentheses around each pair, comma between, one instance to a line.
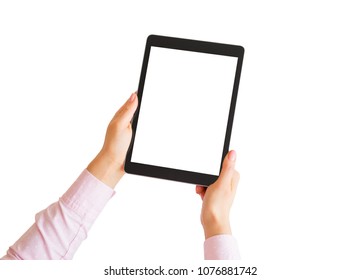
(221,247)
(59,229)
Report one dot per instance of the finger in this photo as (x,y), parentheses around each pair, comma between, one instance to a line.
(201,190)
(126,112)
(229,163)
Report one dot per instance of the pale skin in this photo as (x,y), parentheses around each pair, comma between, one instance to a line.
(108,167)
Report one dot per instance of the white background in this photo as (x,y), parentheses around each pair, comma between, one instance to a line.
(184,110)
(66,67)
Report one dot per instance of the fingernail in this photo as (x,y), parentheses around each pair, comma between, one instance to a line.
(132,97)
(232,155)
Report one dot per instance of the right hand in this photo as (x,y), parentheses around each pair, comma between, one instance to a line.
(218,199)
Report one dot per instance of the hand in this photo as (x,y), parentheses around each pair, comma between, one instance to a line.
(218,199)
(108,165)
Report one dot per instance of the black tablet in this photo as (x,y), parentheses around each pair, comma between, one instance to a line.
(187,97)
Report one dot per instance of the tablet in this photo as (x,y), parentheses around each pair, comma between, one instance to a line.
(187,97)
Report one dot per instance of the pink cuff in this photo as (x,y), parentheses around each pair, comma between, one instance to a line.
(221,247)
(87,196)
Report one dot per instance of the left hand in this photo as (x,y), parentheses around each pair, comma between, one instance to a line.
(108,165)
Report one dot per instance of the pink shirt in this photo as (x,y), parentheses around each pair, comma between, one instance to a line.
(59,229)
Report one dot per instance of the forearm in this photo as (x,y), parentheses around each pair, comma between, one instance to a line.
(219,243)
(59,229)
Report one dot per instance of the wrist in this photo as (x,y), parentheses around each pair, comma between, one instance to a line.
(106,169)
(215,226)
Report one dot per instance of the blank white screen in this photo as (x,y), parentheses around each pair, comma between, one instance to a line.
(184,111)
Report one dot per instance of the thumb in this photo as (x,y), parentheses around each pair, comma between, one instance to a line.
(126,112)
(229,163)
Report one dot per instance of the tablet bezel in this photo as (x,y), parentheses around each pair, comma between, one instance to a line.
(186,45)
